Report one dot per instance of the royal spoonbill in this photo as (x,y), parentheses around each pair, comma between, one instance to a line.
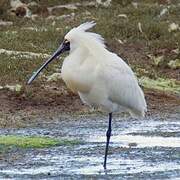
(101,78)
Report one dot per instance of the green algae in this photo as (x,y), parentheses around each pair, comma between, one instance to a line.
(34,141)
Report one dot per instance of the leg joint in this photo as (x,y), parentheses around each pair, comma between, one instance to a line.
(108,133)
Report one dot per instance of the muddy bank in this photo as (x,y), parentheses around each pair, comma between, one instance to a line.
(17,110)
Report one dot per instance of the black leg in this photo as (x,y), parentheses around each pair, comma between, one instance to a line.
(108,135)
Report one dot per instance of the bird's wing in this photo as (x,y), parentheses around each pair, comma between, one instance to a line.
(123,88)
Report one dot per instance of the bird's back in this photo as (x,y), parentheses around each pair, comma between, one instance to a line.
(122,85)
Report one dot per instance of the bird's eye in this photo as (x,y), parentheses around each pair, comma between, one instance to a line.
(66,45)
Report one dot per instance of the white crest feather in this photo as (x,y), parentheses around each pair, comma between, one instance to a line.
(89,39)
(85,26)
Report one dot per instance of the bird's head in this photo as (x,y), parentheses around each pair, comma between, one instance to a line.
(77,37)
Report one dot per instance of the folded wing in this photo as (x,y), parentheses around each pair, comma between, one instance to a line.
(123,86)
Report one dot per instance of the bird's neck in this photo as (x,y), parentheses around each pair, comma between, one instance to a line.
(78,55)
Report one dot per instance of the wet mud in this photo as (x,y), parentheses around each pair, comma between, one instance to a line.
(140,149)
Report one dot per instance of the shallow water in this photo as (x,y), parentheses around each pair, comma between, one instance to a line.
(139,149)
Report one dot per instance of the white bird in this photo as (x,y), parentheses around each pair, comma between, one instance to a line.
(101,78)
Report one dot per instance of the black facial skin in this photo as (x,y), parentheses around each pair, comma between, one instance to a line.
(65,46)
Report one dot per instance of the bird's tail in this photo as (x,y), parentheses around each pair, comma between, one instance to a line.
(138,113)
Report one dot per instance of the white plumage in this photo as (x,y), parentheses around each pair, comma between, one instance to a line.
(100,77)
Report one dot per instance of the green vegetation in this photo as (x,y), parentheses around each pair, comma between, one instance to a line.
(174,64)
(143,30)
(169,85)
(34,141)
